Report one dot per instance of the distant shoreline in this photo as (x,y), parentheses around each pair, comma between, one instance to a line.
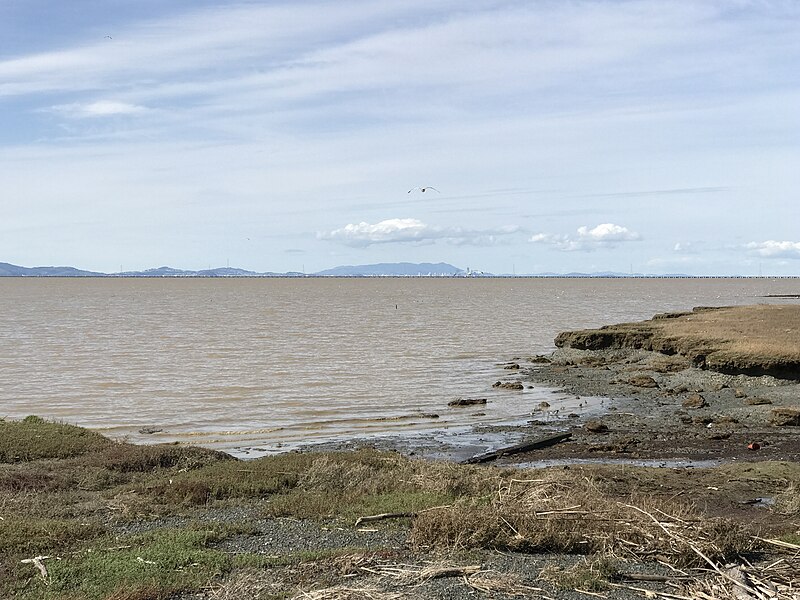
(285,276)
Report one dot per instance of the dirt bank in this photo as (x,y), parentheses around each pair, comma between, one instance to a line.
(738,340)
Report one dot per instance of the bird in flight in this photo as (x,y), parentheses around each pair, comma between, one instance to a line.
(425,189)
(109,37)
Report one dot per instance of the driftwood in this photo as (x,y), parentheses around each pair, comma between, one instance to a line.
(37,562)
(397,515)
(383,516)
(518,448)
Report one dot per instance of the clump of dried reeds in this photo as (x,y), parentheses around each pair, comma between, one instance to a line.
(590,574)
(341,592)
(554,513)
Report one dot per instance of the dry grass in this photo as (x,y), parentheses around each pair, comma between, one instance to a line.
(247,583)
(561,513)
(591,573)
(752,340)
(73,508)
(788,502)
(341,592)
(769,330)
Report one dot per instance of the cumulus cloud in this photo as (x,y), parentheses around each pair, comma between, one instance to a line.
(101,108)
(412,230)
(774,249)
(605,235)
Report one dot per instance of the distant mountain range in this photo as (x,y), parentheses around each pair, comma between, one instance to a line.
(383,269)
(402,269)
(397,269)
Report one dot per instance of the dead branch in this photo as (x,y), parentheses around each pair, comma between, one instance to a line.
(36,561)
(382,516)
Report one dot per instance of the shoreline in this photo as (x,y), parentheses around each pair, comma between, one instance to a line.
(636,404)
(645,496)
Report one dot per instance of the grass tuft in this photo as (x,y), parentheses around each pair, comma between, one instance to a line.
(33,438)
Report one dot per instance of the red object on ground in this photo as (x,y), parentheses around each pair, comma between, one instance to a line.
(754,446)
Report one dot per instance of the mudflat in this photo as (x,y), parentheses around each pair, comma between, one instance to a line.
(711,384)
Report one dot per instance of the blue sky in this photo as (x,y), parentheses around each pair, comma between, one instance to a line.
(561,136)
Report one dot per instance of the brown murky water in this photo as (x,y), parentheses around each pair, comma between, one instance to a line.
(277,362)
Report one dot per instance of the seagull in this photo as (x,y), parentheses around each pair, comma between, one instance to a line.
(425,189)
(109,37)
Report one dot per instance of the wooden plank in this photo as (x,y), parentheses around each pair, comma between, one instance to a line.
(518,448)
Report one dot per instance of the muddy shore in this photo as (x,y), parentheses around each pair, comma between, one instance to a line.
(665,456)
(636,406)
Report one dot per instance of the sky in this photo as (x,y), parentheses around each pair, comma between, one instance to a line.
(558,136)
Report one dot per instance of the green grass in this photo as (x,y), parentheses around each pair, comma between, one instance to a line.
(34,438)
(156,565)
(31,536)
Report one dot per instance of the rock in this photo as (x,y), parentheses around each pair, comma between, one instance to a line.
(720,435)
(685,419)
(539,359)
(643,381)
(596,427)
(757,401)
(512,367)
(508,385)
(739,393)
(702,420)
(466,401)
(591,361)
(544,405)
(694,401)
(429,415)
(726,420)
(150,430)
(786,417)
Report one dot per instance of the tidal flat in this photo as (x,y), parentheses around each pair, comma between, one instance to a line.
(85,516)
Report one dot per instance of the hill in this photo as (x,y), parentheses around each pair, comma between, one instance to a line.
(393,269)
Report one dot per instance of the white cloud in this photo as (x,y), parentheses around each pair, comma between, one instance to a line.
(101,108)
(605,235)
(412,230)
(687,247)
(774,249)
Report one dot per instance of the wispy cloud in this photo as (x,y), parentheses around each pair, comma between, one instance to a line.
(774,249)
(100,108)
(412,231)
(669,192)
(605,235)
(305,116)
